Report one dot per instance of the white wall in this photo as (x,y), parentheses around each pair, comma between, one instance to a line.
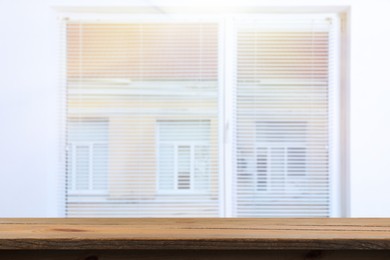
(29,106)
(370,109)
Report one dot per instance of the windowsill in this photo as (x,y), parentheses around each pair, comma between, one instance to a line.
(194,234)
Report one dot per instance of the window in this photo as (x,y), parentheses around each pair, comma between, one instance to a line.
(279,156)
(87,156)
(284,117)
(221,116)
(184,152)
(157,84)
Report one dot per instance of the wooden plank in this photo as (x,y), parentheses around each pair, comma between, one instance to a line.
(194,234)
(195,255)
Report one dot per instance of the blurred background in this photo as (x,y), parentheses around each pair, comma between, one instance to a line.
(194,109)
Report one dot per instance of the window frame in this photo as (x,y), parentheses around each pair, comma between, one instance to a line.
(90,190)
(280,145)
(339,184)
(90,144)
(176,191)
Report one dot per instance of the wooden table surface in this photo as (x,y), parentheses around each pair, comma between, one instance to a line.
(195,234)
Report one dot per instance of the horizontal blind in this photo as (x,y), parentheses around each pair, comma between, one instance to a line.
(283,124)
(142,119)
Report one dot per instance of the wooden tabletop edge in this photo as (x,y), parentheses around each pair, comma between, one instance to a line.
(208,234)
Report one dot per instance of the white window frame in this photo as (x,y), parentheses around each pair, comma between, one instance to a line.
(226,61)
(90,190)
(269,146)
(175,144)
(176,189)
(278,144)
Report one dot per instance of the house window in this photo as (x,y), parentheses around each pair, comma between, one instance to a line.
(183,153)
(87,157)
(280,154)
(221,116)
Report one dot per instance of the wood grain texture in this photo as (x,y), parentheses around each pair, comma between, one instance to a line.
(195,255)
(194,234)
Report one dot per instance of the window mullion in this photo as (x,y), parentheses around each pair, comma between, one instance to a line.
(229,53)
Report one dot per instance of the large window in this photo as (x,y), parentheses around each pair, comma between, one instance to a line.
(219,116)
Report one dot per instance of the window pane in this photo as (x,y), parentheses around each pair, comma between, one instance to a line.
(282,117)
(184,167)
(262,167)
(82,167)
(100,166)
(202,167)
(156,86)
(166,167)
(277,169)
